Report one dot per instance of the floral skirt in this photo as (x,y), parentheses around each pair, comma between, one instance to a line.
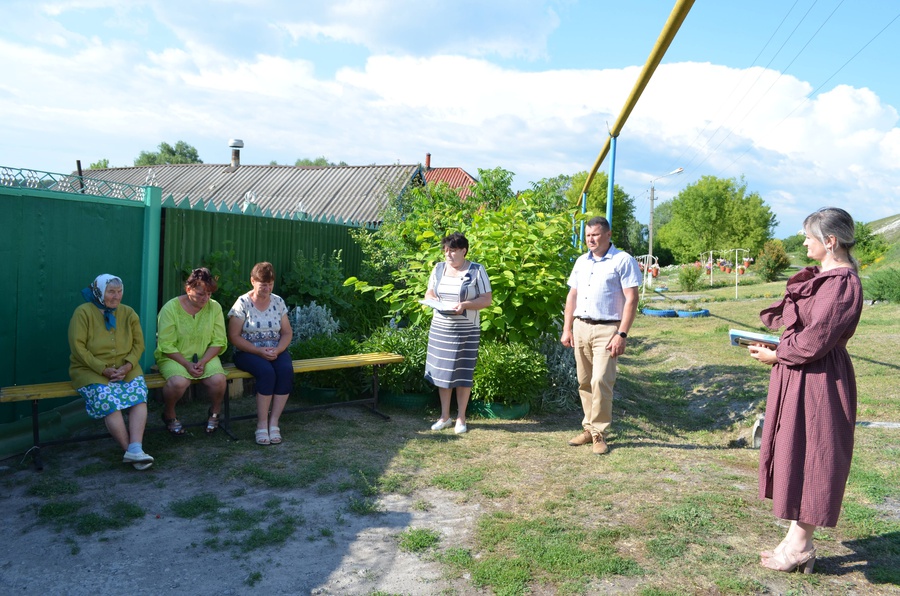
(102,400)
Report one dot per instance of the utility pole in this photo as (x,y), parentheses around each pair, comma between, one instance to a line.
(650,227)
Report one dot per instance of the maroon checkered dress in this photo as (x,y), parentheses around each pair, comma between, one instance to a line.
(807,441)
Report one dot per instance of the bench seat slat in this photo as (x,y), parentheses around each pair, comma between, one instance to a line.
(155,380)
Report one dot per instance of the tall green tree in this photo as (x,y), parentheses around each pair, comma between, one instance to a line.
(623,206)
(167,154)
(100,164)
(716,214)
(548,195)
(319,161)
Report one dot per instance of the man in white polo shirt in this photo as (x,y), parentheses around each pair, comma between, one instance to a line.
(600,308)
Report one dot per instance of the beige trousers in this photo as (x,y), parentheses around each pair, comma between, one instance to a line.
(596,374)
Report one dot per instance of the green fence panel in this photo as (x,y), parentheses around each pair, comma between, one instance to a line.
(191,236)
(57,247)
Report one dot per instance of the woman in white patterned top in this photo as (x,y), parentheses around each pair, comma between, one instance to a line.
(260,332)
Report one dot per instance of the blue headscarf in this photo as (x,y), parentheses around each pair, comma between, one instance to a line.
(94,294)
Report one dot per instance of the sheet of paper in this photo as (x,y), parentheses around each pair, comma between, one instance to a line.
(436,305)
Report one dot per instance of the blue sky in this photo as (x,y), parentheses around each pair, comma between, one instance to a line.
(801,98)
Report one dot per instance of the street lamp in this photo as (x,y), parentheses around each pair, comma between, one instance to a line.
(650,227)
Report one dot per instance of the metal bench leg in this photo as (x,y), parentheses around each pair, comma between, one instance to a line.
(375,392)
(225,423)
(36,436)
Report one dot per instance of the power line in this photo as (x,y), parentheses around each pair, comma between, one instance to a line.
(819,88)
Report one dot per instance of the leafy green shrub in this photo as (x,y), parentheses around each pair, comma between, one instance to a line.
(311,320)
(561,393)
(869,246)
(349,382)
(883,285)
(411,343)
(509,373)
(772,260)
(689,277)
(526,255)
(317,278)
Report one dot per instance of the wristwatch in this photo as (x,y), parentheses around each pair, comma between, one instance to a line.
(622,334)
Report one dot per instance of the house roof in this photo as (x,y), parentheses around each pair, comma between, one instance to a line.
(456,178)
(348,193)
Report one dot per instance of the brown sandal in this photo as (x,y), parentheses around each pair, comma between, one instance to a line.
(213,422)
(174,426)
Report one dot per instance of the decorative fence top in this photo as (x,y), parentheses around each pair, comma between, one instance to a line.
(68,183)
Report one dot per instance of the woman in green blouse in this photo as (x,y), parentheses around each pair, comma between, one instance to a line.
(190,336)
(106,342)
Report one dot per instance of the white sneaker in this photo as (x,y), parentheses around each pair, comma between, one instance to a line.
(136,458)
(460,428)
(142,467)
(441,425)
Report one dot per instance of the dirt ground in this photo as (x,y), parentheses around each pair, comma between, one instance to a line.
(332,551)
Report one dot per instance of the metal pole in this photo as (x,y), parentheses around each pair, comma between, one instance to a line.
(676,18)
(648,278)
(583,211)
(736,273)
(611,186)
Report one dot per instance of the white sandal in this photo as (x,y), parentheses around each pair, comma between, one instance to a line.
(274,435)
(262,437)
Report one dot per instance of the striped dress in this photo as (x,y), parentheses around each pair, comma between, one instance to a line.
(453,339)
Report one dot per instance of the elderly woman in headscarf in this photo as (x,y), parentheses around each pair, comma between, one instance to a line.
(106,342)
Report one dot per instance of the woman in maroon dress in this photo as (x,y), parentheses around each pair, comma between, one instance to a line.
(807,441)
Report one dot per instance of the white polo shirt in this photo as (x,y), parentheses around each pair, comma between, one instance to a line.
(600,283)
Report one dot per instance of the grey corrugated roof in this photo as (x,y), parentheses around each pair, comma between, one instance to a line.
(349,193)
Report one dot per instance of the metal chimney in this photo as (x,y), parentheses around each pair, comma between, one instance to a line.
(236,146)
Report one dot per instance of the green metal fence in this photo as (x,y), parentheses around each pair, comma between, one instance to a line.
(191,236)
(59,231)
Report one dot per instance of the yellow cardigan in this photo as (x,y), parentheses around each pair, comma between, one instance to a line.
(94,348)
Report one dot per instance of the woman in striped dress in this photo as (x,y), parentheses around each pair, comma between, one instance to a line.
(455,331)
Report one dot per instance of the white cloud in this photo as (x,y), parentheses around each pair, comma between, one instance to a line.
(433,27)
(67,96)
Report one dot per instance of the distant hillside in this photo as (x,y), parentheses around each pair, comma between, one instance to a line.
(889,227)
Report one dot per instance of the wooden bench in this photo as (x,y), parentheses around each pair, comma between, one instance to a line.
(37,392)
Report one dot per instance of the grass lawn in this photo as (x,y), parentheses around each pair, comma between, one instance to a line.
(672,509)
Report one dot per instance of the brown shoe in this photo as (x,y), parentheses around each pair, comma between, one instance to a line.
(600,446)
(583,439)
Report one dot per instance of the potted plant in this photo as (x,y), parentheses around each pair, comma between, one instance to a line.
(403,384)
(509,379)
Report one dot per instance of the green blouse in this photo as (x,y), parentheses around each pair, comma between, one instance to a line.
(93,348)
(177,331)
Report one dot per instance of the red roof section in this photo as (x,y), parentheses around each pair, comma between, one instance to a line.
(456,178)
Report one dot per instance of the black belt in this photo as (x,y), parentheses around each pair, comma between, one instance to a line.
(596,322)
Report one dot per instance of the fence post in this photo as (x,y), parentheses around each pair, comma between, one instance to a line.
(150,270)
